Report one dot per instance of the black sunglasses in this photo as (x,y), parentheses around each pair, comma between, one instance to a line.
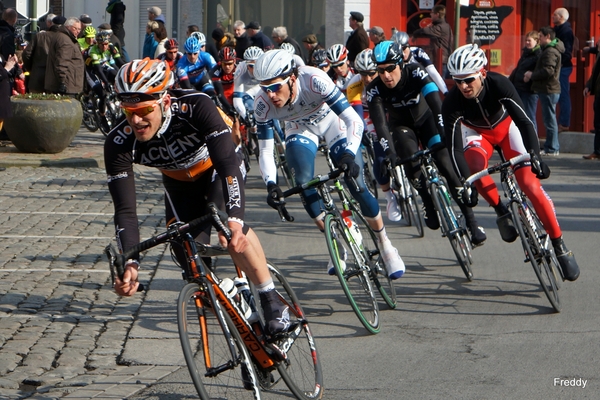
(389,68)
(365,73)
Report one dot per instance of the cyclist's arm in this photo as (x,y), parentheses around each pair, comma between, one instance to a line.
(99,71)
(222,154)
(453,116)
(431,94)
(437,78)
(183,78)
(378,117)
(266,142)
(338,103)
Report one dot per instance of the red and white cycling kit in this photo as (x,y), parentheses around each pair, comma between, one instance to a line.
(495,118)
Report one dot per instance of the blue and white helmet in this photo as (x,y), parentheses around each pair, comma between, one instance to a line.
(274,64)
(200,36)
(387,52)
(192,45)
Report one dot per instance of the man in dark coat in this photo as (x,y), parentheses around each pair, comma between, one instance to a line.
(358,40)
(242,41)
(441,37)
(7,33)
(564,32)
(257,37)
(35,57)
(66,68)
(280,36)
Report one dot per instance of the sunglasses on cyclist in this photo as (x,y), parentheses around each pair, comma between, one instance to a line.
(250,65)
(274,87)
(365,73)
(139,111)
(338,64)
(466,81)
(228,63)
(389,68)
(193,54)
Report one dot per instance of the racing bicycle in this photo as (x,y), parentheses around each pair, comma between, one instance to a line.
(222,331)
(536,242)
(452,223)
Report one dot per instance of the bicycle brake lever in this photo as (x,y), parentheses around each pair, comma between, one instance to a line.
(284,213)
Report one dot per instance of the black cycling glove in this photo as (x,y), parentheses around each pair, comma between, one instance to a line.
(348,165)
(275,197)
(539,168)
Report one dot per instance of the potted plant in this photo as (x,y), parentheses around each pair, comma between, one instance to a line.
(43,123)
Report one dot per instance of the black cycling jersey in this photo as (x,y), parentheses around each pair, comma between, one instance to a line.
(497,101)
(194,141)
(405,103)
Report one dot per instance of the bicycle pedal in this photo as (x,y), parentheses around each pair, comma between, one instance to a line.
(273,350)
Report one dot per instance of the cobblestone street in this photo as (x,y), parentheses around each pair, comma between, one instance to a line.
(61,325)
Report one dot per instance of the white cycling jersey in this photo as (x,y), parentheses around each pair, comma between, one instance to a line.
(309,116)
(244,85)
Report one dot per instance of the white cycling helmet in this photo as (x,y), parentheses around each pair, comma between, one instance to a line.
(337,53)
(288,47)
(252,53)
(364,61)
(200,36)
(467,59)
(274,64)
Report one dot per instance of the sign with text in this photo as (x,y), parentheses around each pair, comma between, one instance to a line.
(485,20)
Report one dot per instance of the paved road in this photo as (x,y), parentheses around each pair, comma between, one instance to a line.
(65,334)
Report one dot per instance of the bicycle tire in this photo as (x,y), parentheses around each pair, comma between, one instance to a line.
(368,176)
(377,271)
(412,206)
(301,371)
(536,253)
(456,234)
(89,122)
(354,279)
(228,383)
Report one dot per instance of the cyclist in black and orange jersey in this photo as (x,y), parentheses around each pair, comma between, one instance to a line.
(183,135)
(172,55)
(484,111)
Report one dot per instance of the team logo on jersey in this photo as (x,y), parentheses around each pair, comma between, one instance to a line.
(419,73)
(234,192)
(374,91)
(120,175)
(318,85)
(407,103)
(384,143)
(122,134)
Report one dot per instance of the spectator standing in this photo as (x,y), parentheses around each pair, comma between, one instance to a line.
(358,39)
(65,66)
(160,35)
(564,32)
(280,36)
(311,44)
(441,34)
(116,9)
(221,39)
(150,42)
(376,35)
(592,87)
(242,41)
(48,21)
(7,33)
(257,38)
(546,84)
(531,53)
(35,57)
(5,91)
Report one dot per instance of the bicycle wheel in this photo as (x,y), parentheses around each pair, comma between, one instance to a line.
(217,359)
(354,278)
(536,243)
(377,270)
(302,370)
(368,176)
(410,204)
(451,228)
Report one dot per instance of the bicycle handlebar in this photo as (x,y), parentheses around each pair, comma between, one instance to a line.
(283,212)
(117,261)
(421,153)
(498,167)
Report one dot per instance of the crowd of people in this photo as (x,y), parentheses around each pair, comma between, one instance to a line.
(334,95)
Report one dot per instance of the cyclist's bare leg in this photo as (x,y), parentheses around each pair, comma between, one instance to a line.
(247,253)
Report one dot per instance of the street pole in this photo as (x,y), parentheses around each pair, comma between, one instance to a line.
(33,10)
(456,24)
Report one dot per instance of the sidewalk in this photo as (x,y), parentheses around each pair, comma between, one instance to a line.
(84,152)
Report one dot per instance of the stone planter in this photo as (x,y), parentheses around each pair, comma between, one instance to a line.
(43,126)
